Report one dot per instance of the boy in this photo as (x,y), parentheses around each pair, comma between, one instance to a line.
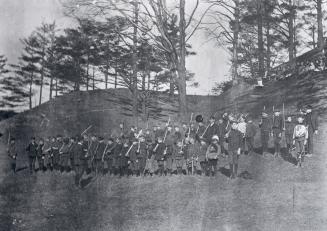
(234,148)
(289,130)
(212,154)
(78,158)
(108,155)
(250,133)
(179,157)
(32,152)
(193,150)
(142,151)
(39,156)
(64,155)
(212,129)
(98,160)
(241,126)
(265,128)
(277,132)
(12,153)
(56,145)
(159,151)
(311,121)
(124,159)
(116,156)
(300,138)
(202,156)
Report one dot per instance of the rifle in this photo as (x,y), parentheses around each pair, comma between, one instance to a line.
(283,116)
(156,147)
(168,122)
(89,127)
(9,138)
(205,131)
(112,148)
(130,148)
(96,149)
(105,149)
(189,129)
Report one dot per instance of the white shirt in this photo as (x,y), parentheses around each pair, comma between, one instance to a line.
(241,127)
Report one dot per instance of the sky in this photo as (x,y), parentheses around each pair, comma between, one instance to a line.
(18,18)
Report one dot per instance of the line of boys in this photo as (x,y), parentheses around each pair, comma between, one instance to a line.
(165,151)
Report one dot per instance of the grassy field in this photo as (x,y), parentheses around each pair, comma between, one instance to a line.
(278,196)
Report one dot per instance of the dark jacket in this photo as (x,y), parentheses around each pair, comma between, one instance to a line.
(39,150)
(12,152)
(110,151)
(311,120)
(277,124)
(32,149)
(211,131)
(251,130)
(159,153)
(179,153)
(100,150)
(235,139)
(266,124)
(77,153)
(221,130)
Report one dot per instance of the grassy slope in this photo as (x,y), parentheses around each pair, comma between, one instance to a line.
(279,197)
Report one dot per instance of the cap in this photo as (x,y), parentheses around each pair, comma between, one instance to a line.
(215,137)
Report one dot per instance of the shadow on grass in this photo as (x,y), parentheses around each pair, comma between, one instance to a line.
(21,169)
(245,175)
(86,182)
(224,171)
(288,157)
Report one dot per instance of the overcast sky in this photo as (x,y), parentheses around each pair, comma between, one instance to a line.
(18,18)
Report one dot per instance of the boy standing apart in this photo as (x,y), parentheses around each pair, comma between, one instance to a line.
(300,138)
(234,149)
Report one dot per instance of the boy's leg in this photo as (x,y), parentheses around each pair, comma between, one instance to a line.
(215,167)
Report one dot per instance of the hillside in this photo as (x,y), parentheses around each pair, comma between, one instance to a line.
(105,109)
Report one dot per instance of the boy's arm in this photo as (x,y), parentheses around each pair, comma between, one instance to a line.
(240,143)
(294,134)
(306,135)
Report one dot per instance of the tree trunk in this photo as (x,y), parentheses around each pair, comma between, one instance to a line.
(134,78)
(260,41)
(87,73)
(291,37)
(93,79)
(268,56)
(56,86)
(106,75)
(51,87)
(320,26)
(41,83)
(116,76)
(235,42)
(149,80)
(172,81)
(30,89)
(313,37)
(181,62)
